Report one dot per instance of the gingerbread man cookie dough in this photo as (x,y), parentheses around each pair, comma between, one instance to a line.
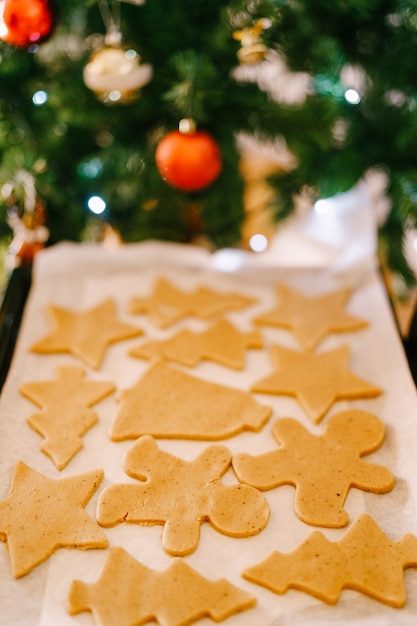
(181,495)
(322,468)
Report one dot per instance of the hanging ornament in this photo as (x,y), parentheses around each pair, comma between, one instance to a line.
(115,72)
(25,22)
(188,159)
(253,50)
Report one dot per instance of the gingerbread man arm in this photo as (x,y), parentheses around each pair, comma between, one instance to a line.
(263,472)
(274,468)
(370,477)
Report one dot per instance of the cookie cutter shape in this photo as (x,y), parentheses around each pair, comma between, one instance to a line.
(222,343)
(316,380)
(181,495)
(322,468)
(41,515)
(129,593)
(311,319)
(66,414)
(168,403)
(85,334)
(167,304)
(364,559)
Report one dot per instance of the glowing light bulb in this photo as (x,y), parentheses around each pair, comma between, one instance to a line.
(96,204)
(91,169)
(258,243)
(322,206)
(352,96)
(39,97)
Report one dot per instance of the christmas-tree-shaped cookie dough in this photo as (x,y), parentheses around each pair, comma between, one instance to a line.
(311,318)
(41,515)
(167,304)
(222,343)
(181,495)
(316,380)
(166,402)
(85,334)
(128,593)
(322,468)
(66,414)
(364,559)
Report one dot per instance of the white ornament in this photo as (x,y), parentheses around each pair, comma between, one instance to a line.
(116,74)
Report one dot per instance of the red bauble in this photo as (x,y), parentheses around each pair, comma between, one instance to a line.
(26,21)
(188,161)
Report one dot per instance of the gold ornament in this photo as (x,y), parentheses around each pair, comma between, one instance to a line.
(252,50)
(115,74)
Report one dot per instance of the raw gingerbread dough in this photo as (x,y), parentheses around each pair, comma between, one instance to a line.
(181,495)
(85,334)
(364,559)
(311,319)
(129,593)
(222,343)
(316,380)
(322,468)
(41,515)
(167,304)
(168,403)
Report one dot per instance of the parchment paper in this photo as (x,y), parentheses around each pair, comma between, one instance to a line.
(79,276)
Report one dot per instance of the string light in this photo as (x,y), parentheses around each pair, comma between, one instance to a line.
(39,97)
(352,96)
(96,204)
(322,206)
(258,243)
(91,169)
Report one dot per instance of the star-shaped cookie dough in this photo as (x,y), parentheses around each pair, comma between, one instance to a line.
(85,334)
(167,304)
(364,559)
(316,380)
(66,415)
(222,343)
(41,515)
(311,318)
(129,593)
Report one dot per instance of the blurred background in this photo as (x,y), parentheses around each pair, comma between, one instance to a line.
(216,123)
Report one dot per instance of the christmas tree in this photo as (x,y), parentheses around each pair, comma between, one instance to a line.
(80,128)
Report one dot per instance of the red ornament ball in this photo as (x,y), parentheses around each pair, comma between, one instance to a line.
(188,161)
(26,22)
